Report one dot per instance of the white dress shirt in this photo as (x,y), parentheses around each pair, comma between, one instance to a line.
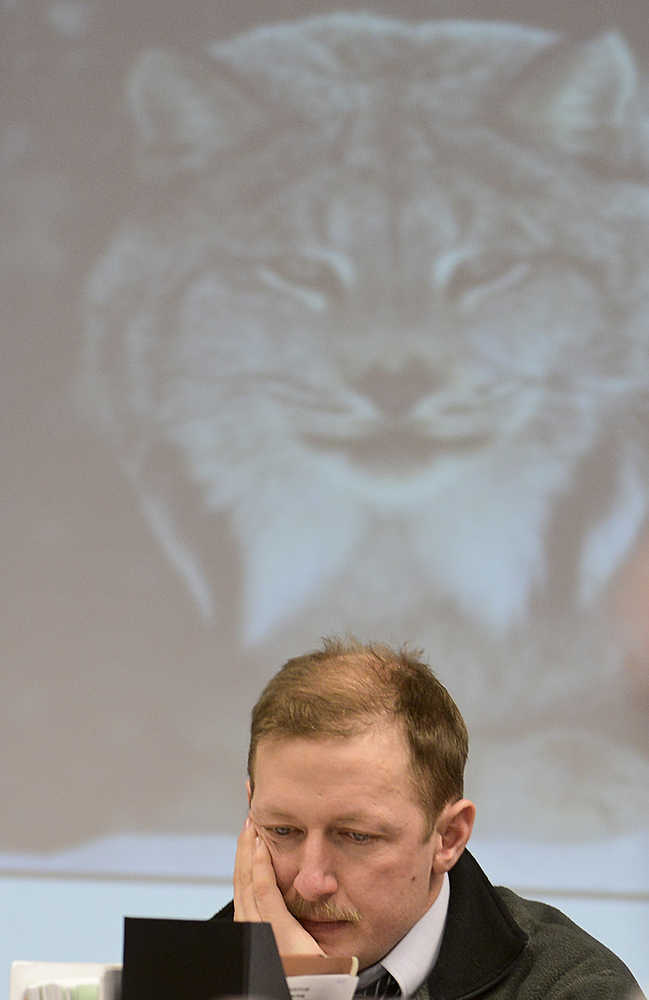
(413,957)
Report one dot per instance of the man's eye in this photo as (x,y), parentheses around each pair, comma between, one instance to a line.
(281,831)
(357,838)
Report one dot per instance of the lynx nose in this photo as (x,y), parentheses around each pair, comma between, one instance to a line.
(396,392)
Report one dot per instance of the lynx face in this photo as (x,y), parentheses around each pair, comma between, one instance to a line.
(386,301)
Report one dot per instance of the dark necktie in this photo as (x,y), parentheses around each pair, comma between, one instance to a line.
(385,986)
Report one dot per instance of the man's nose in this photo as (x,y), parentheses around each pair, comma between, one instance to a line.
(315,876)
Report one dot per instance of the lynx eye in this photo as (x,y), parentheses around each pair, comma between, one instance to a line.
(316,279)
(468,278)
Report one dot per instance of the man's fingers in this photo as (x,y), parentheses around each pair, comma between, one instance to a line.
(245,907)
(268,898)
(291,937)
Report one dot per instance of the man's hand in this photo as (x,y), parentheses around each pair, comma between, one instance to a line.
(257,896)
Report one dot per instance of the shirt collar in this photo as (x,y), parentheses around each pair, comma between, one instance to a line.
(413,957)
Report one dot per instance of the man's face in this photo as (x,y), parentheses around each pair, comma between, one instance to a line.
(346,836)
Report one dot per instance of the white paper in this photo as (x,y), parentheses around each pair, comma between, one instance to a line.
(327,987)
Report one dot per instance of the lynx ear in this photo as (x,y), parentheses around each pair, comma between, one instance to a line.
(184,113)
(578,97)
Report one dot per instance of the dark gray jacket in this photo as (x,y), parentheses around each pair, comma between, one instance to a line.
(500,946)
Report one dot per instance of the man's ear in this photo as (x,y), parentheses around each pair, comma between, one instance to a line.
(248,791)
(452,831)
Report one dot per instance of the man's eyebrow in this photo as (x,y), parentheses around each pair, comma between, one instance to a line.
(379,823)
(269,813)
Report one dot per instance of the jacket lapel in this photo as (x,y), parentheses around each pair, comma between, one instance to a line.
(481,939)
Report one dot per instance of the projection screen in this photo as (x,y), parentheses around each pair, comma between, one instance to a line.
(323,321)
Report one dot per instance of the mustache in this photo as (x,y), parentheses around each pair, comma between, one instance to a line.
(303,910)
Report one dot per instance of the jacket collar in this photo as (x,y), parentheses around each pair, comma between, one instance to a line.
(481,939)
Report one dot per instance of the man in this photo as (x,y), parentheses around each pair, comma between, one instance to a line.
(355,842)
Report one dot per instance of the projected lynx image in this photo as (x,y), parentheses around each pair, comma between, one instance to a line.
(383,305)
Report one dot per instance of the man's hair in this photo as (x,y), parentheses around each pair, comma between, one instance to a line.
(347,687)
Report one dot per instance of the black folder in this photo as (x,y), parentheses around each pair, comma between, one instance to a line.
(200,960)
